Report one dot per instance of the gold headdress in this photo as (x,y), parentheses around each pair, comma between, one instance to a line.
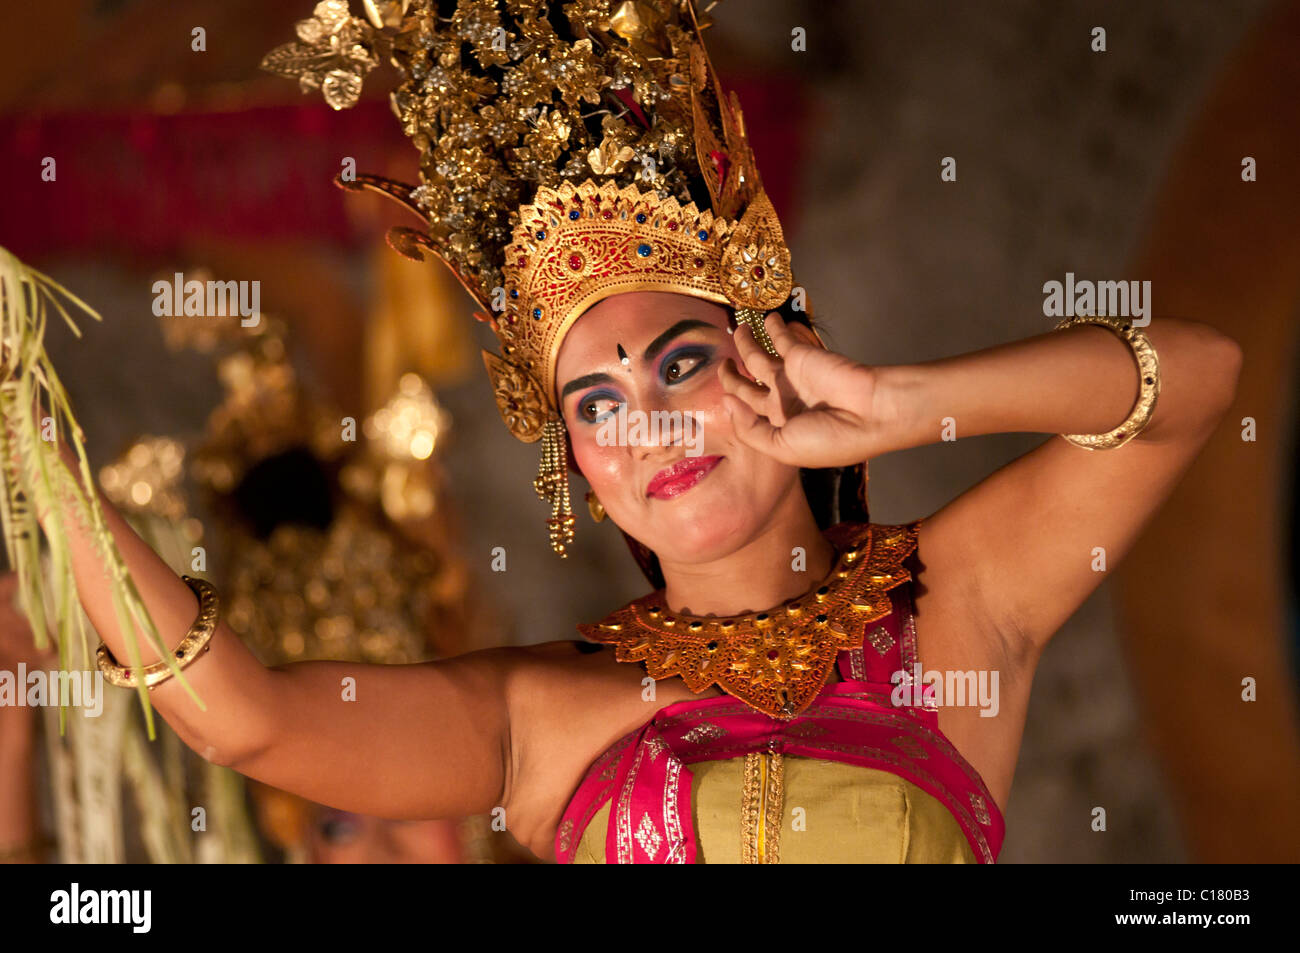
(538,208)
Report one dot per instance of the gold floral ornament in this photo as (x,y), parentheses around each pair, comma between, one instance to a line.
(775,661)
(566,151)
(614,151)
(519,398)
(756,260)
(332,53)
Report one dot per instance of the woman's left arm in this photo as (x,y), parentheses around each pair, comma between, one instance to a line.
(1031,530)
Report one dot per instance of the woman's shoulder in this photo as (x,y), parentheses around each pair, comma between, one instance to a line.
(563,665)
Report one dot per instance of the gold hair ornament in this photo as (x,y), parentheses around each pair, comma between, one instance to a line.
(754,320)
(538,210)
(1148,383)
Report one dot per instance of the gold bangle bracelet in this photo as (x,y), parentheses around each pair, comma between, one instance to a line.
(195,643)
(1148,384)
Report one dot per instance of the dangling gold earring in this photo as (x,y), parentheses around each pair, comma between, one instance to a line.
(596,508)
(552,485)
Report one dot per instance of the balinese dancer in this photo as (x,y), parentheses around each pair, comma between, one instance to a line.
(591,186)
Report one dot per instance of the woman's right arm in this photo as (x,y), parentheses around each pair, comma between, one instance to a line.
(396,741)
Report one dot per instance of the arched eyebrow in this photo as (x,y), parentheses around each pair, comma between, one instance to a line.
(661,342)
(586,380)
(655,348)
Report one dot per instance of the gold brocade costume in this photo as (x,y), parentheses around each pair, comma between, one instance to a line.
(860,772)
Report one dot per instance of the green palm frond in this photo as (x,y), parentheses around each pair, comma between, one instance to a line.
(37,418)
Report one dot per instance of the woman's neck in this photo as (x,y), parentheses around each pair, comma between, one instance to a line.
(766,571)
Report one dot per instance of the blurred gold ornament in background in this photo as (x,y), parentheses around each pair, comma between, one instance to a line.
(353,592)
(410,424)
(264,412)
(148,479)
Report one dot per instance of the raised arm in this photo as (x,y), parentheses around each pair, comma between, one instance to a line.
(1043,531)
(401,741)
(1036,537)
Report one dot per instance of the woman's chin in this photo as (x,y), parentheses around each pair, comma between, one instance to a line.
(701,530)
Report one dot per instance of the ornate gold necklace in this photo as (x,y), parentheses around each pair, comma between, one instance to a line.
(775,661)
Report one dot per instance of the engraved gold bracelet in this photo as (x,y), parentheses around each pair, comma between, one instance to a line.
(195,643)
(1148,384)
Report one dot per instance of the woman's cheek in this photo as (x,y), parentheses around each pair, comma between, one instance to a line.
(601,466)
(712,428)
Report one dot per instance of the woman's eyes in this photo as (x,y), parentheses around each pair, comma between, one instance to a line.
(678,367)
(597,407)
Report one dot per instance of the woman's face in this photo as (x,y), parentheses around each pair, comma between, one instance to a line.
(637,379)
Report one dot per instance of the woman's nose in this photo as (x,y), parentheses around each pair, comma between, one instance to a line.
(659,427)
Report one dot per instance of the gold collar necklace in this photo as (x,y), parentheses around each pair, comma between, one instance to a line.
(775,661)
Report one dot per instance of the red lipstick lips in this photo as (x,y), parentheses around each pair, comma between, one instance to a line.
(681,476)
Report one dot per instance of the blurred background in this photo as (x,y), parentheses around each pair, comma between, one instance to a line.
(1122,163)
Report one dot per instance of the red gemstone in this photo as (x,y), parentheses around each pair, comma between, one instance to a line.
(672,226)
(699,263)
(575,261)
(773,654)
(608,213)
(758,271)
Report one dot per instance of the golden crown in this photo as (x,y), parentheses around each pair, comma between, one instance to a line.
(565,157)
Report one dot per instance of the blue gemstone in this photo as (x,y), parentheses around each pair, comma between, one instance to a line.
(575,214)
(640,217)
(643,250)
(704,236)
(541,235)
(514,292)
(537,314)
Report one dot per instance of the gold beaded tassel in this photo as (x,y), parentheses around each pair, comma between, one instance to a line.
(754,319)
(552,485)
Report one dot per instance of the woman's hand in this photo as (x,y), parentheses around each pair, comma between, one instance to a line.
(814,408)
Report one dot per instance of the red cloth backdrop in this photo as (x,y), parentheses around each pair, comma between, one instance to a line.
(147,183)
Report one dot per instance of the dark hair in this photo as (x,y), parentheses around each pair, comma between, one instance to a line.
(835,495)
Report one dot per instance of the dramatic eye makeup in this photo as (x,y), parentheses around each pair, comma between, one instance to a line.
(679,364)
(684,362)
(596,406)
